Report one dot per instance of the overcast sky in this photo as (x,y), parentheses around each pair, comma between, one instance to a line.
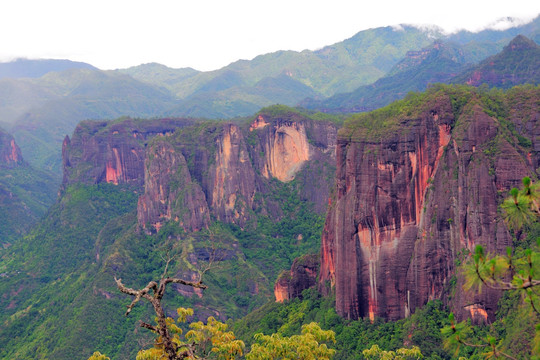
(209,34)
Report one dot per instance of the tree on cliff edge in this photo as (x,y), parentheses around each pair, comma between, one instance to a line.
(518,270)
(153,293)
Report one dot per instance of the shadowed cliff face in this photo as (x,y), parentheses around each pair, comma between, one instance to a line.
(410,204)
(218,181)
(164,199)
(233,179)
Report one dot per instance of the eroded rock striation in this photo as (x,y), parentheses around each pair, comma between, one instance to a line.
(112,152)
(417,187)
(193,172)
(229,166)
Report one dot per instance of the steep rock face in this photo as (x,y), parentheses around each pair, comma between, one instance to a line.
(113,152)
(10,154)
(287,141)
(219,176)
(410,203)
(230,164)
(288,146)
(169,191)
(301,276)
(286,150)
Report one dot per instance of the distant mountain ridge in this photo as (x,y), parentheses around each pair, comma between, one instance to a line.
(438,62)
(518,63)
(444,62)
(339,68)
(28,68)
(39,112)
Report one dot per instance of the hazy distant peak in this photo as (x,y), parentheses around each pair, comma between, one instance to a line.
(35,68)
(520,42)
(157,66)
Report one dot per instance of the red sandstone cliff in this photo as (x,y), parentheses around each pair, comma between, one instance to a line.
(301,276)
(229,164)
(414,191)
(193,171)
(10,154)
(113,152)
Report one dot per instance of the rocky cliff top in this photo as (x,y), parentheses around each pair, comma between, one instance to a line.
(112,151)
(230,168)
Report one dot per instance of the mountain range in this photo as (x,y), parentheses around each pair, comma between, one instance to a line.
(441,62)
(39,112)
(357,199)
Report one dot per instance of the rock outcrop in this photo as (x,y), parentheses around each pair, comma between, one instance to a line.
(193,171)
(227,165)
(170,192)
(112,152)
(301,276)
(416,189)
(10,154)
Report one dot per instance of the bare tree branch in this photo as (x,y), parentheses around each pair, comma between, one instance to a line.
(171,349)
(167,262)
(148,326)
(152,285)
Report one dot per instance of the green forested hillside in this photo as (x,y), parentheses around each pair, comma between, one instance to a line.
(58,281)
(25,193)
(518,63)
(79,95)
(25,196)
(439,62)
